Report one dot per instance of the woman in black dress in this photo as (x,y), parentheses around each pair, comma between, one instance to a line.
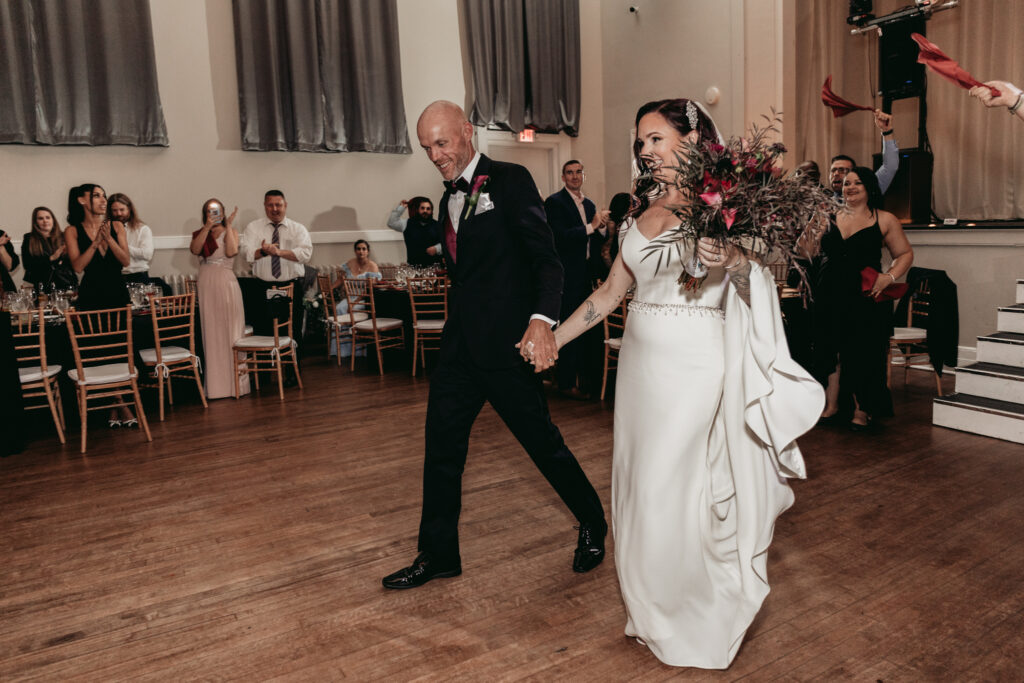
(44,255)
(861,326)
(97,248)
(8,262)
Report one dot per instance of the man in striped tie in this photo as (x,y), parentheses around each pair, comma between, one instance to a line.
(278,249)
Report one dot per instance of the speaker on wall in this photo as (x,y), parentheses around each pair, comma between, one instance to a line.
(899,74)
(910,194)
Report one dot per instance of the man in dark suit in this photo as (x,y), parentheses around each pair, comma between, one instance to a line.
(578,229)
(505,279)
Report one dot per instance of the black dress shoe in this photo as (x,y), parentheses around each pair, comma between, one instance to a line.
(589,547)
(421,571)
(829,420)
(871,427)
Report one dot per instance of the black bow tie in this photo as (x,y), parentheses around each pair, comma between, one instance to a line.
(460,184)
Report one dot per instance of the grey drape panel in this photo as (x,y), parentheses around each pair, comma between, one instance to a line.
(524,63)
(320,76)
(77,72)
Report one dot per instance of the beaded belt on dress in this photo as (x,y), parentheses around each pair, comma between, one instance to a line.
(636,306)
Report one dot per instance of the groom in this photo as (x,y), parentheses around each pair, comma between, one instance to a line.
(506,278)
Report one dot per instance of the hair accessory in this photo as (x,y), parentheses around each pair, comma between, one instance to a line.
(691,114)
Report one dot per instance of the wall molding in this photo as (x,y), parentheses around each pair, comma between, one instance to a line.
(966,237)
(163,242)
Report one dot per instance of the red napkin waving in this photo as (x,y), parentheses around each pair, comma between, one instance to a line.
(937,60)
(890,293)
(837,104)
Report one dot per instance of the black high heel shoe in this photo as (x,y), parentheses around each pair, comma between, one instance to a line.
(871,427)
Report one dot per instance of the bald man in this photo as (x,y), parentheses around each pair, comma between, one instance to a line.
(505,296)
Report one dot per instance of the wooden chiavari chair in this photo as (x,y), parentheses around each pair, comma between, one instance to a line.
(614,328)
(908,346)
(337,325)
(264,353)
(173,321)
(38,378)
(382,333)
(428,299)
(101,342)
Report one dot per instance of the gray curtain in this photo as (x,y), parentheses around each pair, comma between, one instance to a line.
(320,76)
(79,72)
(524,63)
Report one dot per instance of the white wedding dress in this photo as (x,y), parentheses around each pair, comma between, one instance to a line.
(708,405)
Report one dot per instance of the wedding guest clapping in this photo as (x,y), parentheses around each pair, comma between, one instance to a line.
(44,255)
(97,248)
(220,298)
(1010,96)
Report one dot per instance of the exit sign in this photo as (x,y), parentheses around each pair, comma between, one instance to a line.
(526,135)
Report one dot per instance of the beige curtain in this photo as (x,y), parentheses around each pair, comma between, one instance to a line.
(979,155)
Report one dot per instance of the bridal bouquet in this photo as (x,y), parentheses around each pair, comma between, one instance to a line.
(736,192)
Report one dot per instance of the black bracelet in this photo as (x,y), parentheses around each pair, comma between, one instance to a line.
(887,132)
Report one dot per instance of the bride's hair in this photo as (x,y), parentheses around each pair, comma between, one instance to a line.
(681,114)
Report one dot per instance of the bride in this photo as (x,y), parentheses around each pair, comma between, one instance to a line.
(708,405)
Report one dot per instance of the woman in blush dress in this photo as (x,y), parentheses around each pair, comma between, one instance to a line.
(708,406)
(220,298)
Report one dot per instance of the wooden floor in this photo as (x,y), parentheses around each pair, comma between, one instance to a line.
(248,540)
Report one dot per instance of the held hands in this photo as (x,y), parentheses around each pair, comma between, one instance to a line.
(1008,94)
(432,251)
(715,255)
(537,346)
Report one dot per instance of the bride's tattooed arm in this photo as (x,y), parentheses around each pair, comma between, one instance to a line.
(597,306)
(740,279)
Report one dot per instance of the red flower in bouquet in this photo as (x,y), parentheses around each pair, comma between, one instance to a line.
(740,196)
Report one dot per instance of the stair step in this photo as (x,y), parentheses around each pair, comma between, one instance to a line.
(980,415)
(1003,348)
(991,380)
(1010,318)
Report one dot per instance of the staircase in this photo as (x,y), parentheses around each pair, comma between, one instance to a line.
(989,396)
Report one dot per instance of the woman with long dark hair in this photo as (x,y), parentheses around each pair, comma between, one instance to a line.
(708,405)
(97,248)
(44,254)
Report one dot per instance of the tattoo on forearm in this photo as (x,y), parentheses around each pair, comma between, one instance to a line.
(740,279)
(590,315)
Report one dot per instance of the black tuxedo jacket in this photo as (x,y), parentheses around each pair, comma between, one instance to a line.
(571,237)
(506,267)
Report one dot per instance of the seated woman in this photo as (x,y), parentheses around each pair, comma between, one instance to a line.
(355,268)
(8,262)
(45,257)
(860,324)
(220,298)
(140,242)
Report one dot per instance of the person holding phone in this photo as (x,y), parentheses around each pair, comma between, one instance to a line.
(220,298)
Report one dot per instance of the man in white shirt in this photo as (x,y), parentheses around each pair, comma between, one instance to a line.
(278,249)
(140,242)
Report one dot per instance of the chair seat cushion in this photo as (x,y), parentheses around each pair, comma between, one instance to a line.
(103,374)
(259,341)
(429,324)
(35,374)
(344,318)
(382,324)
(614,342)
(169,353)
(902,333)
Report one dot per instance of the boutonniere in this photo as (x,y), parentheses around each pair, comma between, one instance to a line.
(479,183)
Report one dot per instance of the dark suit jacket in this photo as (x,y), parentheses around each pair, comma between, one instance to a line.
(506,267)
(571,242)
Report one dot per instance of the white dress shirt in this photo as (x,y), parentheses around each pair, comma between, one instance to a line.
(293,237)
(140,249)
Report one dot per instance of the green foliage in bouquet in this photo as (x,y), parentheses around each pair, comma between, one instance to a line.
(736,192)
